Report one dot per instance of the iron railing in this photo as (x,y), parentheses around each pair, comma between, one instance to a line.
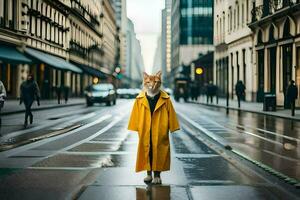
(270,7)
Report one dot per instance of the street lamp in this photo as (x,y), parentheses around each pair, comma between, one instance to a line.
(95,80)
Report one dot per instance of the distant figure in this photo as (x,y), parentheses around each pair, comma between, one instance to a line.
(58,93)
(29,92)
(240,91)
(2,98)
(194,92)
(66,93)
(292,95)
(210,92)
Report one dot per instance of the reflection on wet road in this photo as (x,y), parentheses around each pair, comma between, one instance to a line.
(271,141)
(97,161)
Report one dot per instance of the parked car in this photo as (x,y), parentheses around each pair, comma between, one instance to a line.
(101,93)
(128,93)
(123,93)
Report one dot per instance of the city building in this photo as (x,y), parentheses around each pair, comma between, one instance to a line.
(166,41)
(63,43)
(191,31)
(157,61)
(85,43)
(134,61)
(121,21)
(38,30)
(276,45)
(233,47)
(110,41)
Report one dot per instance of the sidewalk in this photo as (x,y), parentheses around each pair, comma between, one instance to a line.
(13,106)
(251,107)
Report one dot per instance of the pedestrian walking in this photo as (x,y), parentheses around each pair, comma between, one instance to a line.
(66,93)
(292,95)
(194,91)
(29,92)
(2,98)
(153,116)
(210,92)
(58,93)
(240,91)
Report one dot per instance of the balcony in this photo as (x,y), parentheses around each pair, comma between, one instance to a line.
(77,49)
(85,14)
(271,7)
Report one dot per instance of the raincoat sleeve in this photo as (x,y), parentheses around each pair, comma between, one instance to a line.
(173,122)
(134,119)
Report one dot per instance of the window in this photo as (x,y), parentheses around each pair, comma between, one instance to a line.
(223,24)
(238,16)
(243,17)
(38,19)
(237,66)
(259,37)
(286,28)
(234,17)
(271,34)
(228,26)
(247,11)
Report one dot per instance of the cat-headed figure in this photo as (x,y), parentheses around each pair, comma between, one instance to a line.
(152,83)
(153,117)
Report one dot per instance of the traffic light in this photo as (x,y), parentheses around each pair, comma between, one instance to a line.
(199,70)
(118,73)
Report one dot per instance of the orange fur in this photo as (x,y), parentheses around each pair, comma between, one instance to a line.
(152,83)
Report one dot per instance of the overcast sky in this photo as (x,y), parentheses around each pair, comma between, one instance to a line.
(146,16)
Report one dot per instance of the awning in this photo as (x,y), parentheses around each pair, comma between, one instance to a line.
(11,55)
(93,71)
(54,61)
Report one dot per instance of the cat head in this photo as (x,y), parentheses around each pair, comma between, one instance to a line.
(152,83)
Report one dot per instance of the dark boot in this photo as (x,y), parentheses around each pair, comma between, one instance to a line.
(26,121)
(31,118)
(25,124)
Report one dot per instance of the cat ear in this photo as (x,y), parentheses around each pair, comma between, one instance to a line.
(145,75)
(158,73)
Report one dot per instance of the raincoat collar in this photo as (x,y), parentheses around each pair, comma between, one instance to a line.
(160,102)
(163,94)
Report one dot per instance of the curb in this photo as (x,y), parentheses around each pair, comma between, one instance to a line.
(291,181)
(245,110)
(40,108)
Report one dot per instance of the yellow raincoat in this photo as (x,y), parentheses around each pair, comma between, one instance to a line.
(163,119)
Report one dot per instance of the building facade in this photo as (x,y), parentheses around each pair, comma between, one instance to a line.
(166,41)
(85,39)
(157,61)
(61,42)
(110,42)
(121,21)
(276,45)
(134,60)
(191,32)
(233,47)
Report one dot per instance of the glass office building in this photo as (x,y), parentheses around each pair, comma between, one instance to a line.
(196,22)
(191,30)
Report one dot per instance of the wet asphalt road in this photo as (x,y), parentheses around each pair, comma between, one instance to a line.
(96,159)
